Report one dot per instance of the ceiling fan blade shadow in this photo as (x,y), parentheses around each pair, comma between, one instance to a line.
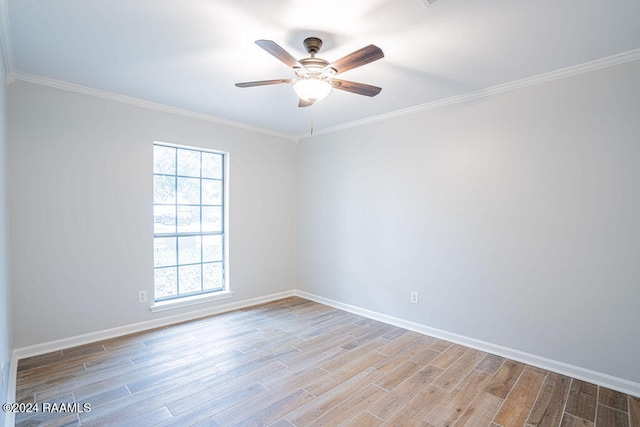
(274,49)
(354,87)
(304,103)
(356,59)
(426,79)
(264,82)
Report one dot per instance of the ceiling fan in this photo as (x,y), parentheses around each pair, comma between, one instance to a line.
(315,77)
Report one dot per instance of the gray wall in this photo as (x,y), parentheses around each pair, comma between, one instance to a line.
(516,217)
(5,296)
(80,203)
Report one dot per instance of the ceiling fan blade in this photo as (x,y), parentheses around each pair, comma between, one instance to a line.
(264,82)
(356,59)
(304,103)
(274,49)
(353,87)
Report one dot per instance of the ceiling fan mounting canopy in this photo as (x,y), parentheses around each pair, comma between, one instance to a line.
(312,45)
(315,77)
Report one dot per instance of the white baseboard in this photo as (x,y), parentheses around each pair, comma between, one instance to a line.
(601,379)
(48,347)
(594,377)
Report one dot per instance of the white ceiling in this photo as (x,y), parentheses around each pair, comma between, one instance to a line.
(188,54)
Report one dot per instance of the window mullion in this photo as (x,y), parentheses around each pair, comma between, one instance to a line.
(201,236)
(175,230)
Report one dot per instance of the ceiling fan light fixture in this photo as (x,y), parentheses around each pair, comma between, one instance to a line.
(312,89)
(314,77)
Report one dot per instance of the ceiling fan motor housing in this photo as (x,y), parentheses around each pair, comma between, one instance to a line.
(314,65)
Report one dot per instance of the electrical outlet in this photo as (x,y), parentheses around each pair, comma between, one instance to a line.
(415,297)
(142,296)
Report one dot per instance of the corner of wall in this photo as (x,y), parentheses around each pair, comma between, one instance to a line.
(7,391)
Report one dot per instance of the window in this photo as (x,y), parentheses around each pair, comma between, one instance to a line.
(189,223)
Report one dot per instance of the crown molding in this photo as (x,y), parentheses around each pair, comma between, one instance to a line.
(610,61)
(5,39)
(84,90)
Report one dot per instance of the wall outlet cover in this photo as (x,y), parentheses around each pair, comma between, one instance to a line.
(142,296)
(415,297)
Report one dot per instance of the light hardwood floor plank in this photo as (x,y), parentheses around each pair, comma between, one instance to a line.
(297,363)
(425,356)
(440,345)
(490,364)
(363,419)
(518,404)
(634,411)
(459,369)
(417,408)
(191,410)
(504,380)
(549,407)
(248,382)
(459,399)
(609,417)
(315,409)
(264,408)
(569,420)
(482,410)
(582,400)
(354,402)
(450,355)
(613,399)
(392,379)
(404,392)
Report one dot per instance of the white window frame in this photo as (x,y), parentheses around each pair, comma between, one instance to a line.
(204,295)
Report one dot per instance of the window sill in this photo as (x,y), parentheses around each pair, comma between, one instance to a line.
(187,301)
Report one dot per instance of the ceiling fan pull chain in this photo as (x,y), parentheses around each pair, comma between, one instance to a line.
(312,109)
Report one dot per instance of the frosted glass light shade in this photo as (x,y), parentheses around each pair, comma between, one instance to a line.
(312,89)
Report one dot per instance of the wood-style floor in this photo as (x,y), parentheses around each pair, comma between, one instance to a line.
(294,362)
